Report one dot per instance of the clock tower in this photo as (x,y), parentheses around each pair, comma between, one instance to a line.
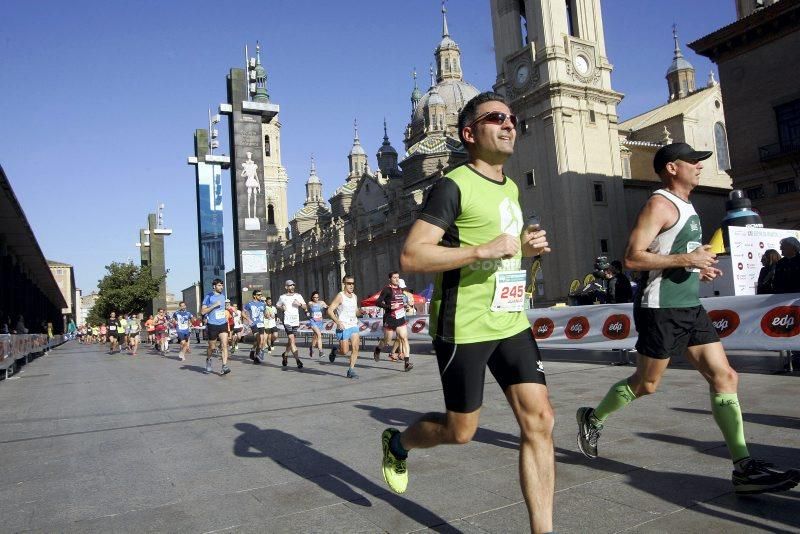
(552,67)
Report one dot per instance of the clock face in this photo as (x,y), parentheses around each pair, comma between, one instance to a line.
(522,74)
(581,64)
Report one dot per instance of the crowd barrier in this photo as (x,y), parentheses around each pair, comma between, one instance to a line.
(21,348)
(759,322)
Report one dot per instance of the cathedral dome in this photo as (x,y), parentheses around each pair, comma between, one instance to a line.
(434,99)
(386,149)
(679,63)
(453,93)
(357,150)
(447,44)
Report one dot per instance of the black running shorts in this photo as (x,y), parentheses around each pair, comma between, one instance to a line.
(390,323)
(462,368)
(668,332)
(291,330)
(258,330)
(214,330)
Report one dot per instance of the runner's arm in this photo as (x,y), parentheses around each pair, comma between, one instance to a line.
(333,307)
(659,214)
(422,252)
(205,309)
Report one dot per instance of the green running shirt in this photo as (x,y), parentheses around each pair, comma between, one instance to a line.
(472,210)
(677,287)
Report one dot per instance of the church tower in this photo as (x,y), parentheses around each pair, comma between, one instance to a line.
(680,75)
(314,187)
(357,157)
(387,156)
(552,67)
(275,177)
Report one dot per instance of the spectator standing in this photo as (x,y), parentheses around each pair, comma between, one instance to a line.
(20,327)
(766,277)
(619,287)
(787,270)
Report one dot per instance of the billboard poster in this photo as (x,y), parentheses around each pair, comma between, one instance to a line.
(747,247)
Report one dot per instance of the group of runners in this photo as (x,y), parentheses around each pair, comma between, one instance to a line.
(118,332)
(261,318)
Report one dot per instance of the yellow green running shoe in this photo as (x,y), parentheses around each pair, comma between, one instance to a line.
(394,469)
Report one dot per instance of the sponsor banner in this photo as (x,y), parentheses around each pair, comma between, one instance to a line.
(758,322)
(18,346)
(373,327)
(748,244)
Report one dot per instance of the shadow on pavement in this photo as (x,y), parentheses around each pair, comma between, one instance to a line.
(681,489)
(196,368)
(328,473)
(783,421)
(699,493)
(402,417)
(717,448)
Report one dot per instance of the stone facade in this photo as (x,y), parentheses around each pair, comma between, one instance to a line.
(756,56)
(193,297)
(360,230)
(552,65)
(572,166)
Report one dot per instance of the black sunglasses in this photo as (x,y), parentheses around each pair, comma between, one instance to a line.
(495,117)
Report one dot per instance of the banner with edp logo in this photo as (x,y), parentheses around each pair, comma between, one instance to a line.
(757,322)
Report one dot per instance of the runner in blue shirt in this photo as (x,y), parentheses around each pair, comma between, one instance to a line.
(214,309)
(253,312)
(182,319)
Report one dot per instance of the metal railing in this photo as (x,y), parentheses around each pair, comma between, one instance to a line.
(22,347)
(776,150)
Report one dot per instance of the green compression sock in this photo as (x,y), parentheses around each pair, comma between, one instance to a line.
(728,415)
(619,396)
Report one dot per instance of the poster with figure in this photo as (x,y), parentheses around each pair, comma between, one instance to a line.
(253,185)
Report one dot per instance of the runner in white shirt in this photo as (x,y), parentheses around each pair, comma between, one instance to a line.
(291,302)
(238,326)
(270,324)
(344,310)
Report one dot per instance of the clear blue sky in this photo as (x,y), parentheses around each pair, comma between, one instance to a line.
(99,100)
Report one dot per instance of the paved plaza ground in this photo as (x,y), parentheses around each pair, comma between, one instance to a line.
(99,443)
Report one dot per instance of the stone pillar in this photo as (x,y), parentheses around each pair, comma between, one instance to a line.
(252,238)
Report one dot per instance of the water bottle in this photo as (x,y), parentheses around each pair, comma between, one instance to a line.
(740,213)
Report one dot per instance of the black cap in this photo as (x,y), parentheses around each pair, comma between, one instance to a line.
(681,151)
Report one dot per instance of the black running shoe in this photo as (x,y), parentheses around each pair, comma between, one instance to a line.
(285,360)
(299,363)
(757,476)
(253,355)
(588,432)
(408,365)
(332,355)
(376,354)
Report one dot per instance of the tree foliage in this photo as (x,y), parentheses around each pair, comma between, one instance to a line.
(127,288)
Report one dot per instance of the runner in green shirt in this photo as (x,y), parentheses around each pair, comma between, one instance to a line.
(471,232)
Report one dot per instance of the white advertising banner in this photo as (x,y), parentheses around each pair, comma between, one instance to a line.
(758,322)
(747,246)
(254,261)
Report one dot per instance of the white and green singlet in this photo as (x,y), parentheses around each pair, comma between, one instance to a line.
(674,287)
